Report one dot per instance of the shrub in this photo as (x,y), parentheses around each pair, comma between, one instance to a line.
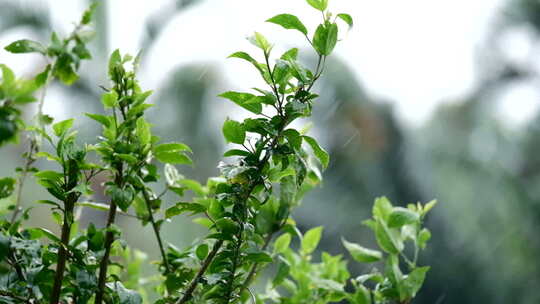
(247,209)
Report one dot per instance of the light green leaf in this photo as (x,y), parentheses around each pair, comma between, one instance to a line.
(320,153)
(387,239)
(382,208)
(110,99)
(362,254)
(102,119)
(414,281)
(289,22)
(428,207)
(423,238)
(318,4)
(142,129)
(261,42)
(282,243)
(311,240)
(234,131)
(347,18)
(26,46)
(62,127)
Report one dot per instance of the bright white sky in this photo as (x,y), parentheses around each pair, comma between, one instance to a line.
(416,53)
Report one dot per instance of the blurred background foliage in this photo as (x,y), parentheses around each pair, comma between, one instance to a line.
(485,174)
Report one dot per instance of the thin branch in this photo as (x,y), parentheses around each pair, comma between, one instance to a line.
(189,292)
(156,230)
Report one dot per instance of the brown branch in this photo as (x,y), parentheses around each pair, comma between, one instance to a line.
(254,269)
(189,292)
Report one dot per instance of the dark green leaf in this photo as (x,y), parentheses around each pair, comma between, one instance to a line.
(243,100)
(236,152)
(289,21)
(401,216)
(201,251)
(7,186)
(259,257)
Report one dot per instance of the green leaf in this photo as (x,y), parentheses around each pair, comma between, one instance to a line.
(428,207)
(291,54)
(143,131)
(94,205)
(311,240)
(387,239)
(176,158)
(234,131)
(362,254)
(382,208)
(245,100)
(325,38)
(114,61)
(289,22)
(8,77)
(423,238)
(4,246)
(282,243)
(26,46)
(7,186)
(294,138)
(122,197)
(322,155)
(62,127)
(259,257)
(347,18)
(401,216)
(87,15)
(260,41)
(172,147)
(361,296)
(202,251)
(227,225)
(102,119)
(236,152)
(318,4)
(110,99)
(414,281)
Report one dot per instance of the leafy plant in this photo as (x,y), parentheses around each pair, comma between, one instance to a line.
(247,209)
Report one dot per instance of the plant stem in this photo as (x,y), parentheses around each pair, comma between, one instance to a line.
(34,147)
(109,239)
(156,231)
(189,292)
(62,253)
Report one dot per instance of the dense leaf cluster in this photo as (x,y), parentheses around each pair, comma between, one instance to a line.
(247,209)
